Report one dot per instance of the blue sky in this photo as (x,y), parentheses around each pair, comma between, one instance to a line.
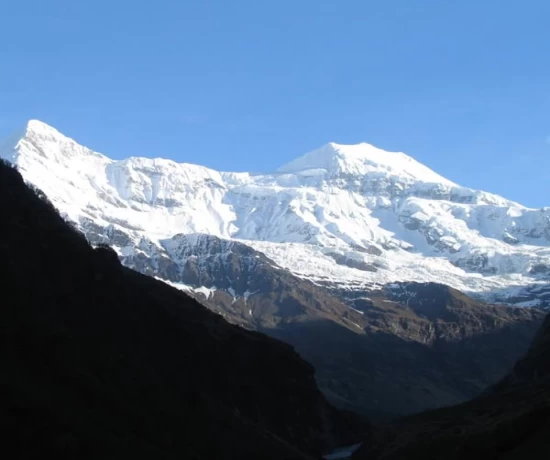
(462,86)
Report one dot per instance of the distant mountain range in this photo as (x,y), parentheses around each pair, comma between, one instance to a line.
(358,257)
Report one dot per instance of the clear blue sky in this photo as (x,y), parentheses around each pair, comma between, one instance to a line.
(463,86)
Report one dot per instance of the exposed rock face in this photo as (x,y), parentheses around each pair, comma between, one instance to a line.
(99,361)
(509,421)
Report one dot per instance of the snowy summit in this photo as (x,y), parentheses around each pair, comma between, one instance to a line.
(363,159)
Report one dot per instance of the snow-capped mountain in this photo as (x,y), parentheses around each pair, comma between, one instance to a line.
(350,217)
(335,253)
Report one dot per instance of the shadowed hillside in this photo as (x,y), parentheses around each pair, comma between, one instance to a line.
(509,421)
(102,362)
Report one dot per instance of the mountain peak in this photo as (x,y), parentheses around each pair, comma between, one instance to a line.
(40,140)
(37,126)
(363,159)
(34,131)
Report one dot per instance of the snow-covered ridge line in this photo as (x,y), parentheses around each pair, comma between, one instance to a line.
(353,216)
(362,159)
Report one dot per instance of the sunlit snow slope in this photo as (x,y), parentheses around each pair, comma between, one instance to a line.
(349,216)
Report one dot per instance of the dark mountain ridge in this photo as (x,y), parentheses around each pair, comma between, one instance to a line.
(102,362)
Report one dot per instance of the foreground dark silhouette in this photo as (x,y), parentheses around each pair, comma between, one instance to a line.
(99,361)
(510,421)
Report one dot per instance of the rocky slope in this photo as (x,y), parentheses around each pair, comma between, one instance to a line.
(509,421)
(99,361)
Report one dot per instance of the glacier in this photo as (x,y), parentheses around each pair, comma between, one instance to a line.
(352,217)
